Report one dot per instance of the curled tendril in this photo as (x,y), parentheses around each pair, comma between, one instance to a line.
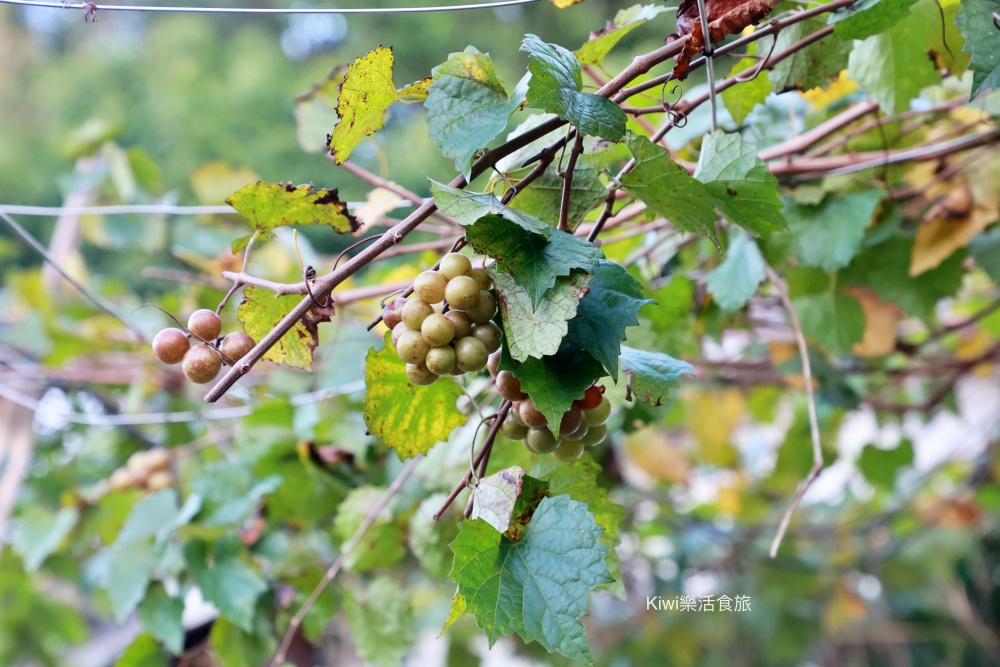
(743,77)
(391,295)
(677,117)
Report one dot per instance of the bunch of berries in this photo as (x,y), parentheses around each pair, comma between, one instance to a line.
(444,328)
(147,470)
(202,361)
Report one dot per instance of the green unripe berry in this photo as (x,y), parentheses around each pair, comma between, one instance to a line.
(201,364)
(420,375)
(463,325)
(484,310)
(598,415)
(205,324)
(512,430)
(412,348)
(578,433)
(170,346)
(462,293)
(568,450)
(429,286)
(441,360)
(415,312)
(514,416)
(490,334)
(454,264)
(540,440)
(437,330)
(471,354)
(595,435)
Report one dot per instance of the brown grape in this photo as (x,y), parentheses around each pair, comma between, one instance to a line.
(509,387)
(205,324)
(236,345)
(392,313)
(591,398)
(530,414)
(201,364)
(159,480)
(170,345)
(571,421)
(493,363)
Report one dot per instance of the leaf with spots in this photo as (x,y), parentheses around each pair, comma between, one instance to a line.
(507,499)
(261,311)
(270,205)
(602,41)
(407,417)
(365,96)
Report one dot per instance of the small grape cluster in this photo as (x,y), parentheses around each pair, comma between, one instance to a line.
(445,328)
(147,470)
(202,361)
(583,425)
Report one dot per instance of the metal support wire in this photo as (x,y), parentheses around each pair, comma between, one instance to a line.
(709,62)
(92,8)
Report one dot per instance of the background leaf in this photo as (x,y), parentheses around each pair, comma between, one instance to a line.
(365,96)
(270,205)
(382,622)
(651,375)
(982,41)
(734,281)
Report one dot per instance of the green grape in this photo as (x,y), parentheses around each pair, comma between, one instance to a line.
(441,360)
(462,293)
(513,430)
(170,346)
(482,278)
(540,440)
(471,354)
(578,433)
(412,348)
(236,345)
(420,375)
(429,287)
(598,415)
(571,421)
(463,325)
(201,364)
(490,334)
(415,312)
(205,324)
(530,414)
(513,414)
(484,310)
(437,330)
(509,387)
(568,450)
(455,264)
(595,435)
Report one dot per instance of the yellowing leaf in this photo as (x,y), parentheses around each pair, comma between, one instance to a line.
(214,181)
(782,351)
(316,112)
(975,346)
(365,95)
(261,312)
(711,418)
(881,319)
(378,204)
(270,205)
(821,98)
(409,418)
(415,92)
(844,609)
(457,609)
(655,454)
(563,4)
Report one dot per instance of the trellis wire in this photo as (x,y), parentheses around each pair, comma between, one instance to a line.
(91,7)
(148,209)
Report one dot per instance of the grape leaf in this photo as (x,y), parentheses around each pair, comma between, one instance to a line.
(143,652)
(160,615)
(651,375)
(556,86)
(365,96)
(415,92)
(602,41)
(230,492)
(734,281)
(611,306)
(812,66)
(555,381)
(428,539)
(382,624)
(668,189)
(868,17)
(982,41)
(578,479)
(893,66)
(261,311)
(532,331)
(467,106)
(879,466)
(535,261)
(542,579)
(740,100)
(543,198)
(832,318)
(383,542)
(744,190)
(985,249)
(456,612)
(495,500)
(224,578)
(232,646)
(885,268)
(270,205)
(38,533)
(829,235)
(407,417)
(316,112)
(468,207)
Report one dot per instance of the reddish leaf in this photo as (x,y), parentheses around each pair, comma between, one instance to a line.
(725,17)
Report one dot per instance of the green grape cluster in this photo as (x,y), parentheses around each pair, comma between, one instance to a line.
(202,361)
(445,327)
(583,425)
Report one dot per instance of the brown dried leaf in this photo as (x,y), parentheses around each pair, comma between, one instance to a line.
(725,17)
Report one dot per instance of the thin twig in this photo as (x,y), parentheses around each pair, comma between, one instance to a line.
(386,184)
(817,448)
(98,300)
(345,553)
(568,183)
